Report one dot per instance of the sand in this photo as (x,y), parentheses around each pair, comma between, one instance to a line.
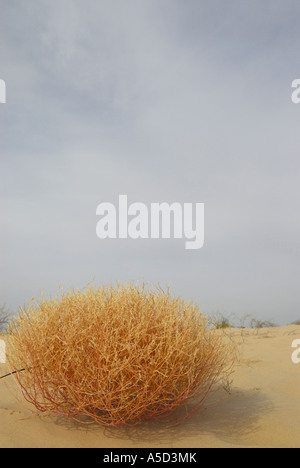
(260,408)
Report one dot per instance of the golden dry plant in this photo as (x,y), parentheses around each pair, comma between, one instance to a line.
(116,355)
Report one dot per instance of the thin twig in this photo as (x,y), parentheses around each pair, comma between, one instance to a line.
(12,373)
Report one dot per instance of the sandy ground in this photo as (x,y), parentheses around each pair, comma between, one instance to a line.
(262,408)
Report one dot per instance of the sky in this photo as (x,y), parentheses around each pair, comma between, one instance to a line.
(164,101)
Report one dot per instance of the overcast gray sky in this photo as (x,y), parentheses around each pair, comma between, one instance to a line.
(186,101)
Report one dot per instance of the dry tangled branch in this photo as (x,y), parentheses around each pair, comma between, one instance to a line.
(115,354)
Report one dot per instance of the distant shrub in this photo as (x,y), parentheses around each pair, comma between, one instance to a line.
(3,319)
(222,322)
(116,355)
(261,324)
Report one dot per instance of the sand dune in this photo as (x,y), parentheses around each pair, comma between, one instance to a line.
(261,408)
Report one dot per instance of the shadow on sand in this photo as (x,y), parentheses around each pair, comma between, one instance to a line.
(231,420)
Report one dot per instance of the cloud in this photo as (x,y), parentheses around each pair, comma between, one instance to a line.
(163,101)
